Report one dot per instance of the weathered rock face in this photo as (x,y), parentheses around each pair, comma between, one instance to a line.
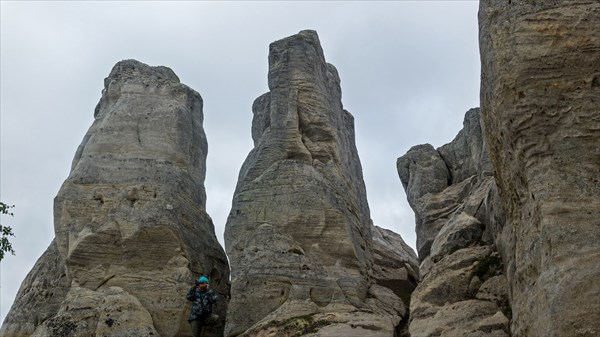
(395,264)
(299,233)
(131,227)
(539,100)
(40,295)
(396,267)
(458,213)
(438,182)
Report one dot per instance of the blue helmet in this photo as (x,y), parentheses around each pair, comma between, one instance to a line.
(203,279)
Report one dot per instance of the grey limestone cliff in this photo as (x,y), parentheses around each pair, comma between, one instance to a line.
(131,226)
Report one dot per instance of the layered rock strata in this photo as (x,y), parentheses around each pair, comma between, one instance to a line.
(540,94)
(40,296)
(463,290)
(299,232)
(396,267)
(395,264)
(132,232)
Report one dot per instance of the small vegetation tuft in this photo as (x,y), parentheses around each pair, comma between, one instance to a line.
(299,325)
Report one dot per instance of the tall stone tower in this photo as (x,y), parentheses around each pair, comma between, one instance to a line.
(299,233)
(132,232)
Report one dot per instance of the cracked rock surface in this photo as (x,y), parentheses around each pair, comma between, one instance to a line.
(540,89)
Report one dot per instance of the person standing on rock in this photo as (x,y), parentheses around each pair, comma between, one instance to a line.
(202,299)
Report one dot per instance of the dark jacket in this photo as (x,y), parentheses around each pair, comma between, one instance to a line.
(201,303)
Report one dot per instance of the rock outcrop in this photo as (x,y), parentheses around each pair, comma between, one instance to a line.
(463,290)
(299,232)
(132,232)
(508,215)
(540,94)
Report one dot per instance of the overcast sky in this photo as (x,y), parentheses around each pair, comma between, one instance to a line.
(409,72)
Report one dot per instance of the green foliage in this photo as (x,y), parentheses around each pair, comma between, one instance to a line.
(306,324)
(5,232)
(299,325)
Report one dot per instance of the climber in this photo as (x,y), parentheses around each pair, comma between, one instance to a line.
(202,299)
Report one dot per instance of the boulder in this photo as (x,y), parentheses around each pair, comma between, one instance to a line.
(395,264)
(110,311)
(452,300)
